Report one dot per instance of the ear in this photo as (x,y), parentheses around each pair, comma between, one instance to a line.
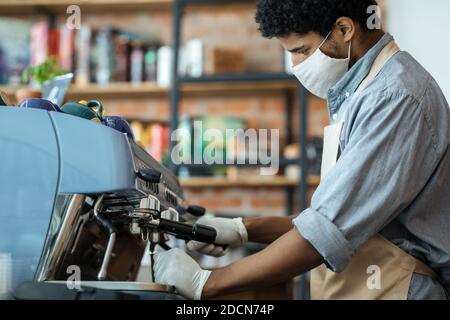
(346,28)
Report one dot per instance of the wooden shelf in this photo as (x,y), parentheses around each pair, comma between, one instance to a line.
(260,87)
(94,91)
(219,182)
(25,7)
(119,90)
(152,90)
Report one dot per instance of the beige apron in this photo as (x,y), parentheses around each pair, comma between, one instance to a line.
(379,269)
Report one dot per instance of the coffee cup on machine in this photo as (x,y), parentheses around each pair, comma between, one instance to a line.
(119,124)
(89,110)
(93,110)
(42,104)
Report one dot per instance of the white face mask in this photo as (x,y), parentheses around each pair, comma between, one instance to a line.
(319,73)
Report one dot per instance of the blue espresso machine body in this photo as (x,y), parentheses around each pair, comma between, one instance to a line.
(43,154)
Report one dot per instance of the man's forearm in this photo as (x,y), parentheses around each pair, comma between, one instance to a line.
(285,258)
(267,229)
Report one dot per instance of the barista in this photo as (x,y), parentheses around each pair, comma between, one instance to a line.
(383,202)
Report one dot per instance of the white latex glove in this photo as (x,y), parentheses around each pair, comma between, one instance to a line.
(176,268)
(230,232)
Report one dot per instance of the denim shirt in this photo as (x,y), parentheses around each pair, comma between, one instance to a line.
(393,173)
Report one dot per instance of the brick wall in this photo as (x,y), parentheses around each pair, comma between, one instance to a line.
(243,201)
(227,26)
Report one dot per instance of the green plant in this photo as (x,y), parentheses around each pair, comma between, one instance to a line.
(45,71)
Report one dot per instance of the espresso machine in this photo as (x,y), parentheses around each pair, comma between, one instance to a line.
(81,203)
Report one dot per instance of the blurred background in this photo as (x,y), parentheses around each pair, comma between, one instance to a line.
(419,27)
(124,54)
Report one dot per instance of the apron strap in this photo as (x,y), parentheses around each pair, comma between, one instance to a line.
(385,55)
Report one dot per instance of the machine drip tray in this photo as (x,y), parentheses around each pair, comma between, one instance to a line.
(122,286)
(94,290)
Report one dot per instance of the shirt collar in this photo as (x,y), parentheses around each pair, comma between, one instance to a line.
(355,76)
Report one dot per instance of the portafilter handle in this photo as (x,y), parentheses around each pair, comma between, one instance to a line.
(187,232)
(196,211)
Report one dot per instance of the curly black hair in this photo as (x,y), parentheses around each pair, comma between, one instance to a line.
(278,18)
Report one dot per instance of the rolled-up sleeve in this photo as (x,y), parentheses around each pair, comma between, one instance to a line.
(388,156)
(331,243)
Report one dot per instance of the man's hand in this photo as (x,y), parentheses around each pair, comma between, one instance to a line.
(230,232)
(176,268)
